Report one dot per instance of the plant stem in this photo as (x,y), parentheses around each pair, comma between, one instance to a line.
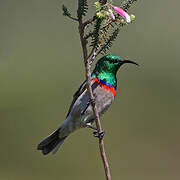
(75,19)
(89,21)
(91,97)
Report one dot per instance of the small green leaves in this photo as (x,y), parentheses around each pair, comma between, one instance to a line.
(126,4)
(103,27)
(109,41)
(65,11)
(108,24)
(82,8)
(96,33)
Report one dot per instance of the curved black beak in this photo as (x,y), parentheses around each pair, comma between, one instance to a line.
(128,61)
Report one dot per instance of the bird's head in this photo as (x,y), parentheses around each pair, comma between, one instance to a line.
(110,64)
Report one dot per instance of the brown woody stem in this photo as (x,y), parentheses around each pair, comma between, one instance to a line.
(91,96)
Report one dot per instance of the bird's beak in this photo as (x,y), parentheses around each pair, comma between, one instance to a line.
(128,61)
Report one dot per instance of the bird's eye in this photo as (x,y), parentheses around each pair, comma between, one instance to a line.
(113,61)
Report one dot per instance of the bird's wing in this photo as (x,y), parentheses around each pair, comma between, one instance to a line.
(81,89)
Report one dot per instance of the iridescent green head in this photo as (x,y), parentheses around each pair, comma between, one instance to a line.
(110,64)
(107,67)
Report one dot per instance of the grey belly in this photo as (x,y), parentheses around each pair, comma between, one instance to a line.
(103,99)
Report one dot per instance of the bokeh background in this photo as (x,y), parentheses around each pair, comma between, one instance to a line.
(41,67)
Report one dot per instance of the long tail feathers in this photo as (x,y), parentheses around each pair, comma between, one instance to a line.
(51,143)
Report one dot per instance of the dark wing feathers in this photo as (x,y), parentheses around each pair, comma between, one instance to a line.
(81,89)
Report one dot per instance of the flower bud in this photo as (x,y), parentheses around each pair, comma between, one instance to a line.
(132,17)
(99,15)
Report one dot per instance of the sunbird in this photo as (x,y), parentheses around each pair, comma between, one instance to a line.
(80,114)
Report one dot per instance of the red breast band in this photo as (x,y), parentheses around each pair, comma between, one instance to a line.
(106,87)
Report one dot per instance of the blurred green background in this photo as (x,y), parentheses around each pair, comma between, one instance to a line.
(41,67)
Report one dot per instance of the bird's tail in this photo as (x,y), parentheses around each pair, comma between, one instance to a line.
(51,143)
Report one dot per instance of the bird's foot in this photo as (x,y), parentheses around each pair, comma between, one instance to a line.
(99,135)
(90,126)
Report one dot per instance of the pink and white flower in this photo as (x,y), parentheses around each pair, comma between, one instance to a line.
(122,13)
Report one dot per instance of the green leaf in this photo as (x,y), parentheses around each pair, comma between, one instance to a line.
(82,8)
(65,11)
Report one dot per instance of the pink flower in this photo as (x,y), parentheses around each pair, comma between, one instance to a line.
(111,14)
(122,13)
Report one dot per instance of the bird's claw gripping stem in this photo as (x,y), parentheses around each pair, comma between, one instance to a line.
(99,135)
